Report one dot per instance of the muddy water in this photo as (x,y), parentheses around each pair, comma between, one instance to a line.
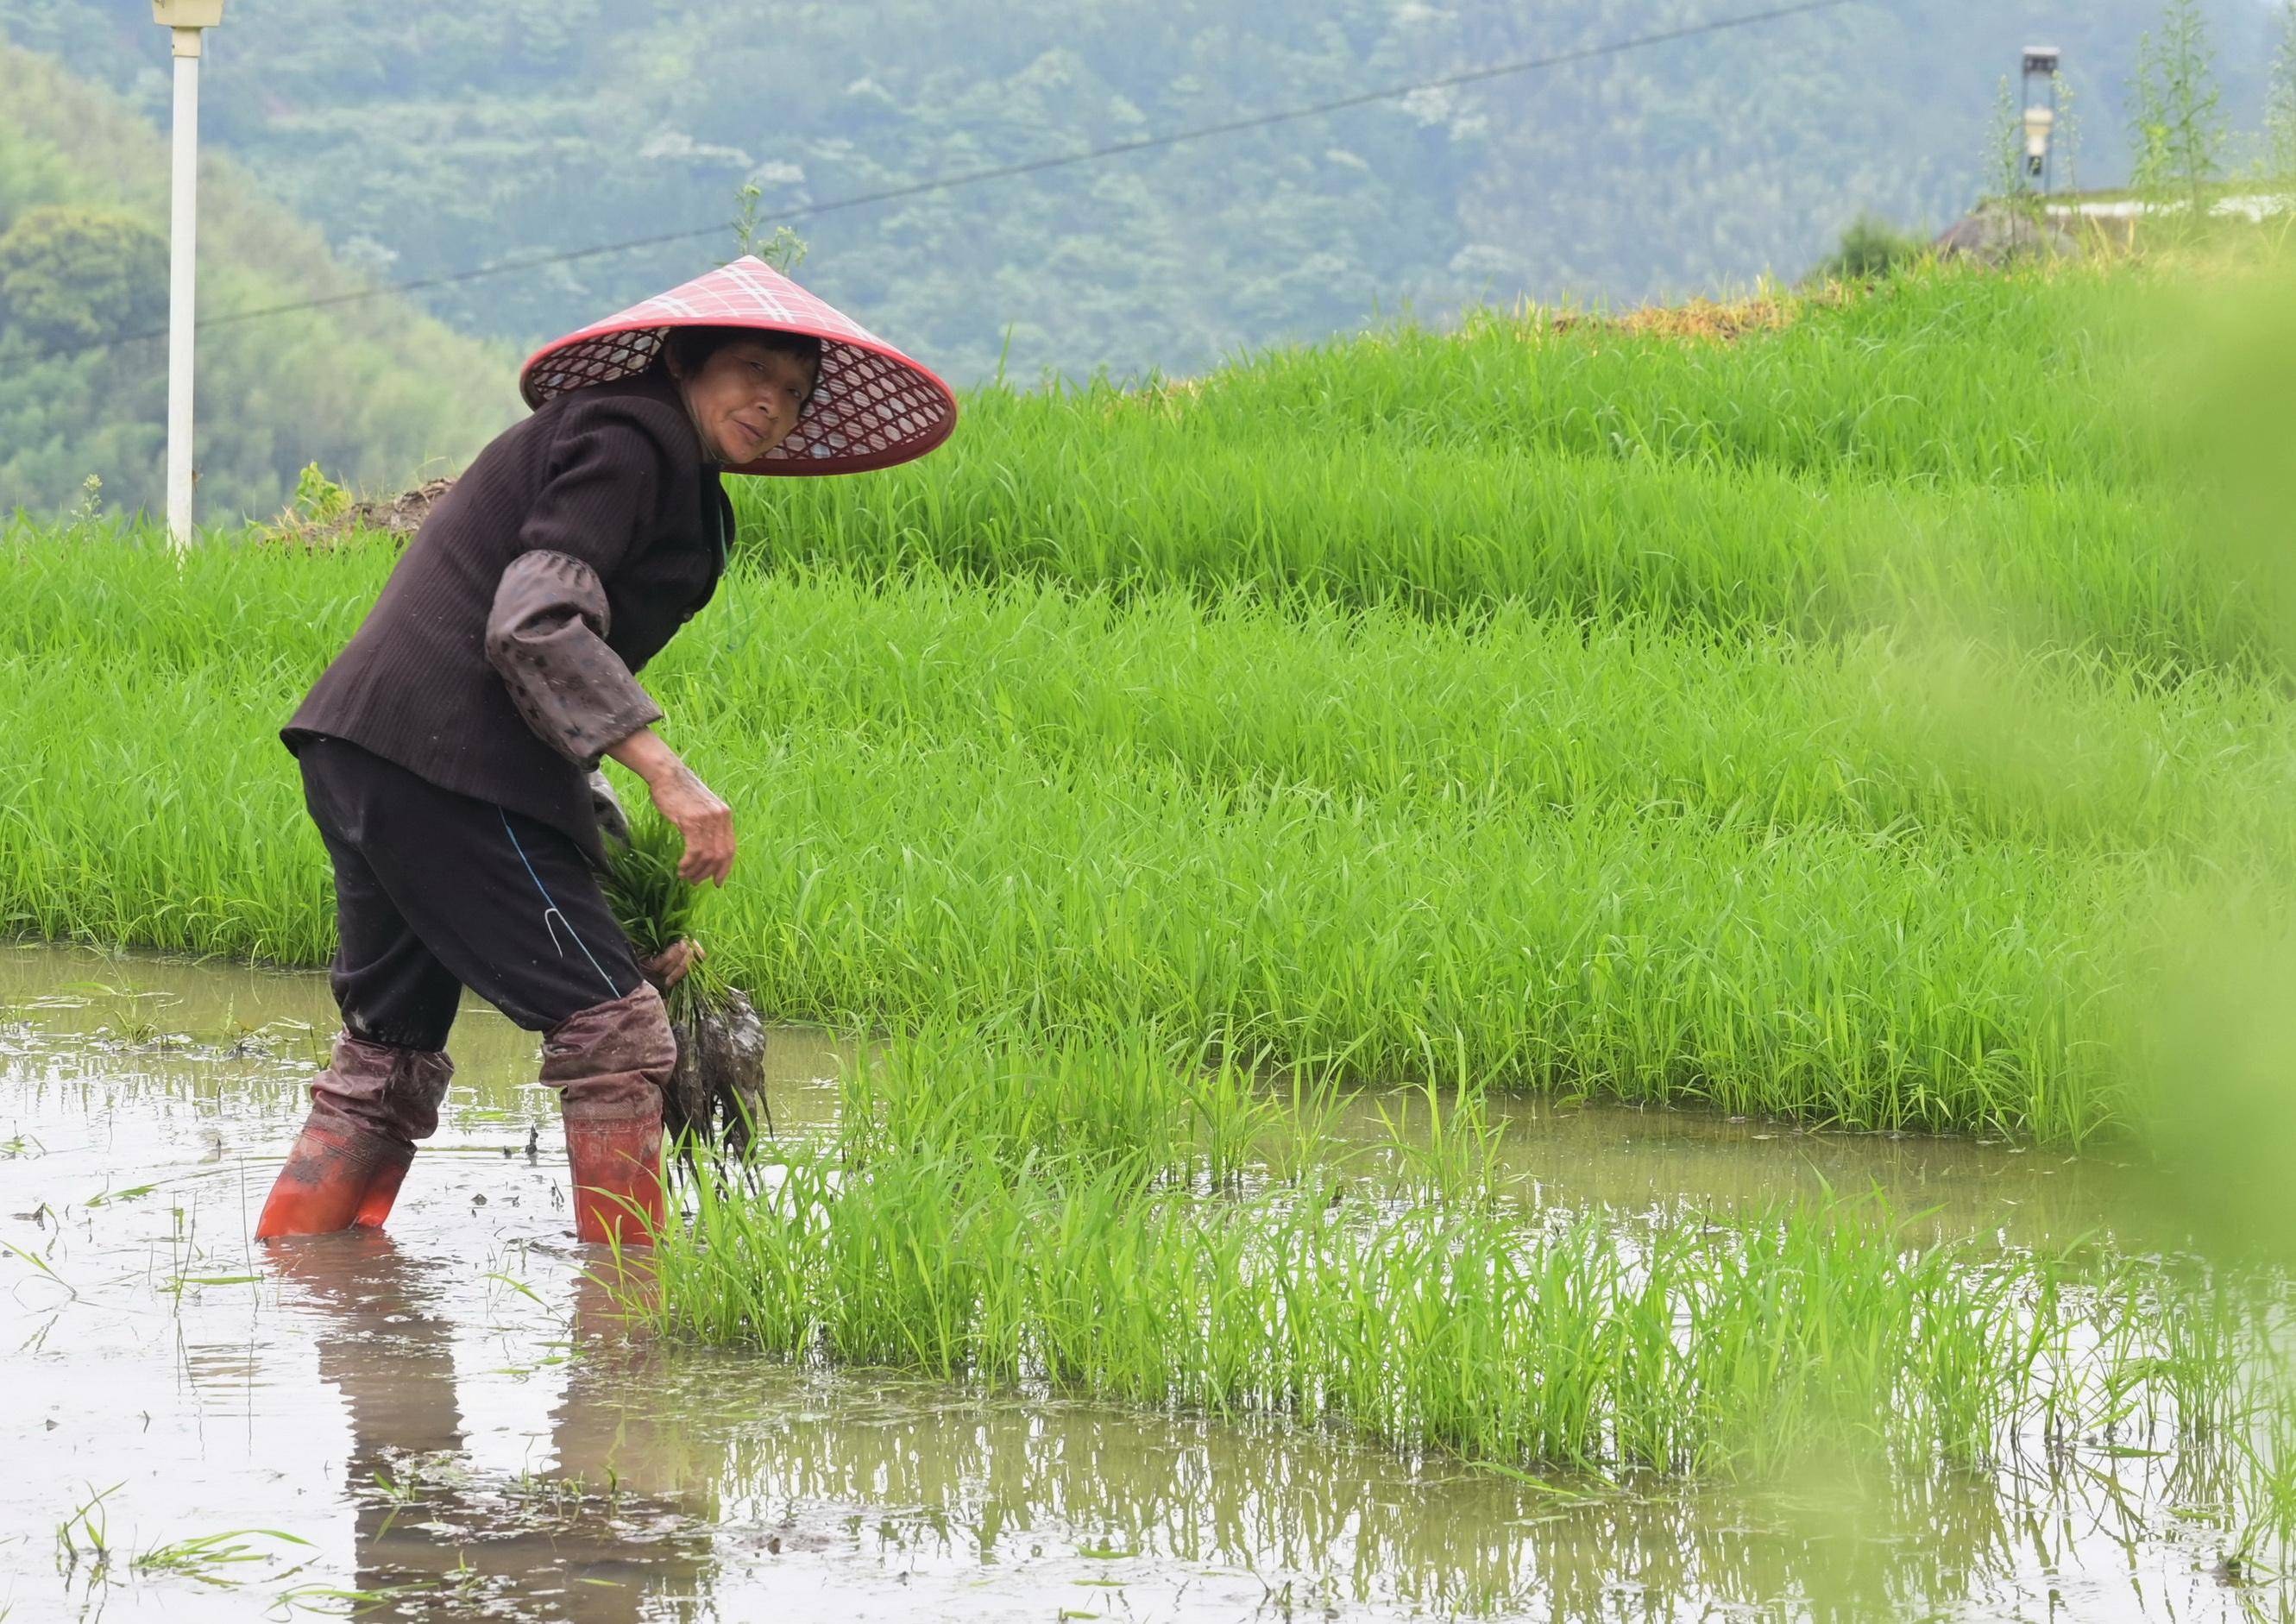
(450,1422)
(1660,1160)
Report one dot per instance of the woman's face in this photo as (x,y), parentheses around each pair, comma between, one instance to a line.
(745,399)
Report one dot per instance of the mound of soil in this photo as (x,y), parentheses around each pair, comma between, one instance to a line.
(402,515)
(399,516)
(1700,318)
(2001,237)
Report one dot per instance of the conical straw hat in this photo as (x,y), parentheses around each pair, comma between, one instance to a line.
(872,408)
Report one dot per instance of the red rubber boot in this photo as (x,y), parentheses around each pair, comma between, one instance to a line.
(326,1180)
(382,1188)
(609,1063)
(617,1165)
(367,1108)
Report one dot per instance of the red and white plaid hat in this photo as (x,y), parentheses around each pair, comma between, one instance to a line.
(871,409)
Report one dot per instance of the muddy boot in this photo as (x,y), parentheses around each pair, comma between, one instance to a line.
(367,1109)
(609,1063)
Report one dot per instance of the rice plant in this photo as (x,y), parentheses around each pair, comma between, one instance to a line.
(1677,1345)
(715,1095)
(656,910)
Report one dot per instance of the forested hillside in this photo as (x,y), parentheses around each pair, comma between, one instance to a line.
(372,391)
(436,135)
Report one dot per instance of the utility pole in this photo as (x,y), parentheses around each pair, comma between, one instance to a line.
(2040,119)
(187,20)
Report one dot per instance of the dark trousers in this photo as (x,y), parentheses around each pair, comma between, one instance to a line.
(435,891)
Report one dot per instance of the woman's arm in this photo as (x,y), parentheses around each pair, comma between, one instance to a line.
(546,640)
(545,637)
(546,632)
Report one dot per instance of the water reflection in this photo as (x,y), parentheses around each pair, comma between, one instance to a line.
(596,1539)
(1837,1539)
(1652,1159)
(667,1463)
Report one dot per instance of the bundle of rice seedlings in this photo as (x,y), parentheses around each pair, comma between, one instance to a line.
(717,1095)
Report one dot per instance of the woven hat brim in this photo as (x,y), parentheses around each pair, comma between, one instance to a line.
(872,407)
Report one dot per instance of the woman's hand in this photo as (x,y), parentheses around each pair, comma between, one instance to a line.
(706,822)
(668,968)
(690,805)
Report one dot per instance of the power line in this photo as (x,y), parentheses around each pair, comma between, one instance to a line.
(1035,166)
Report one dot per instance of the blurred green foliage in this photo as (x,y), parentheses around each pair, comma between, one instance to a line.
(2279,103)
(2218,1045)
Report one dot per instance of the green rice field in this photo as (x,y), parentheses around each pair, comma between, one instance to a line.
(1809,708)
(1842,711)
(1615,860)
(1646,717)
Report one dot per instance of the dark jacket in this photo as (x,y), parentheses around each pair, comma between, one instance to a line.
(499,661)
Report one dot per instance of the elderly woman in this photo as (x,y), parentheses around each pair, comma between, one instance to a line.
(446,752)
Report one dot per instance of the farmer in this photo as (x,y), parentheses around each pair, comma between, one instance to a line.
(446,752)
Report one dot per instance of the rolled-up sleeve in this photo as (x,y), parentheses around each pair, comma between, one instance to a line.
(546,636)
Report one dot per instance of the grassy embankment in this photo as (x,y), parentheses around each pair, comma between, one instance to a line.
(1814,723)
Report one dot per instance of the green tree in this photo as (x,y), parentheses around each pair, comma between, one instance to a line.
(2005,155)
(2175,122)
(2067,140)
(73,275)
(2280,104)
(1871,248)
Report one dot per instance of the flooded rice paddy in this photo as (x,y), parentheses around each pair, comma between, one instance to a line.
(452,1420)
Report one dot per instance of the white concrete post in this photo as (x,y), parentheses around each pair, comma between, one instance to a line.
(183,272)
(185,20)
